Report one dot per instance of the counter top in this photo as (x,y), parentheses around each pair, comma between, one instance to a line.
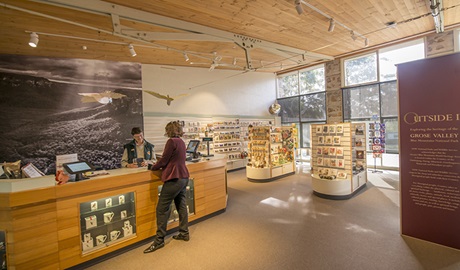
(23,184)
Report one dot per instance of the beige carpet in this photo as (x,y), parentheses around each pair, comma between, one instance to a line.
(282,225)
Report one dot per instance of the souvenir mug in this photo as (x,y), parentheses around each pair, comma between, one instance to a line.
(91,221)
(114,235)
(123,214)
(121,199)
(127,230)
(86,237)
(94,206)
(108,217)
(87,244)
(108,202)
(100,239)
(126,223)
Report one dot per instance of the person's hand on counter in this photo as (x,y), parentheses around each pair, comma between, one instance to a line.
(132,165)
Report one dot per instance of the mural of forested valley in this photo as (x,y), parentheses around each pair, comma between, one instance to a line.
(51,106)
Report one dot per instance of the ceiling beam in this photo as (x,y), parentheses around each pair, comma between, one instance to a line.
(202,32)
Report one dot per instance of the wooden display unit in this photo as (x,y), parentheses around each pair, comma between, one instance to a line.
(44,227)
(338,159)
(271,153)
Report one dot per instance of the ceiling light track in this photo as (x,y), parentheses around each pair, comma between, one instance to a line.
(199,32)
(332,21)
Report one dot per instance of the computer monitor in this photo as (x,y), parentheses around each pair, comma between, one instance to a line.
(192,147)
(78,168)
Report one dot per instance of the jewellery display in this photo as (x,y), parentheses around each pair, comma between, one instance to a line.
(103,226)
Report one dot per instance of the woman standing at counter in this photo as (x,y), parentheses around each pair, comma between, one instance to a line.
(175,177)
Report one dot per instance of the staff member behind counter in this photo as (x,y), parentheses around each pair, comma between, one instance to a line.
(137,149)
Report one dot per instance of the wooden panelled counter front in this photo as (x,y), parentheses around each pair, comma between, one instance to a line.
(43,229)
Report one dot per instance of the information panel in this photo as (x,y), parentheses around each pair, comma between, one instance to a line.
(429,123)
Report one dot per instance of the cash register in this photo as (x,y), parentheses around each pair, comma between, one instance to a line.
(192,147)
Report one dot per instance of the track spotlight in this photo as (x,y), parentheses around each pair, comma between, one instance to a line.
(298,6)
(366,42)
(33,42)
(352,33)
(186,57)
(131,50)
(331,25)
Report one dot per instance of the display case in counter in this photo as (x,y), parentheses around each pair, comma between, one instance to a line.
(3,250)
(338,159)
(106,221)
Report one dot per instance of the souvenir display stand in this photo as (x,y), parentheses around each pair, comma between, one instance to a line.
(377,142)
(227,141)
(338,159)
(271,152)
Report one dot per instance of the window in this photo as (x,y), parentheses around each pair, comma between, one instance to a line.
(312,80)
(361,102)
(289,110)
(313,107)
(361,69)
(391,135)
(389,57)
(369,97)
(302,96)
(288,85)
(306,136)
(388,96)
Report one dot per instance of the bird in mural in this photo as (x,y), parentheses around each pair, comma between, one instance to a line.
(105,97)
(166,97)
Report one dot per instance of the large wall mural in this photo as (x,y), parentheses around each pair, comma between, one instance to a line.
(51,106)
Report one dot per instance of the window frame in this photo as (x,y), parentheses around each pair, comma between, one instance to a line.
(300,123)
(378,82)
(342,65)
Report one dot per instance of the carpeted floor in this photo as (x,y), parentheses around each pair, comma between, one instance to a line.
(282,225)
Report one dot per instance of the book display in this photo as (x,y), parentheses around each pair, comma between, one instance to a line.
(271,152)
(338,159)
(106,221)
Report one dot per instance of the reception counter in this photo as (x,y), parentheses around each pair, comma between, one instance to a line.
(57,227)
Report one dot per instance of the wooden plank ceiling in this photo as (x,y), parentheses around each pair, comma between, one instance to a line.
(260,35)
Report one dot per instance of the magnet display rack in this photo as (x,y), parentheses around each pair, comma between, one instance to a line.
(338,159)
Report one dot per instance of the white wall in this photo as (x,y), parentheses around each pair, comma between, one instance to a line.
(211,93)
